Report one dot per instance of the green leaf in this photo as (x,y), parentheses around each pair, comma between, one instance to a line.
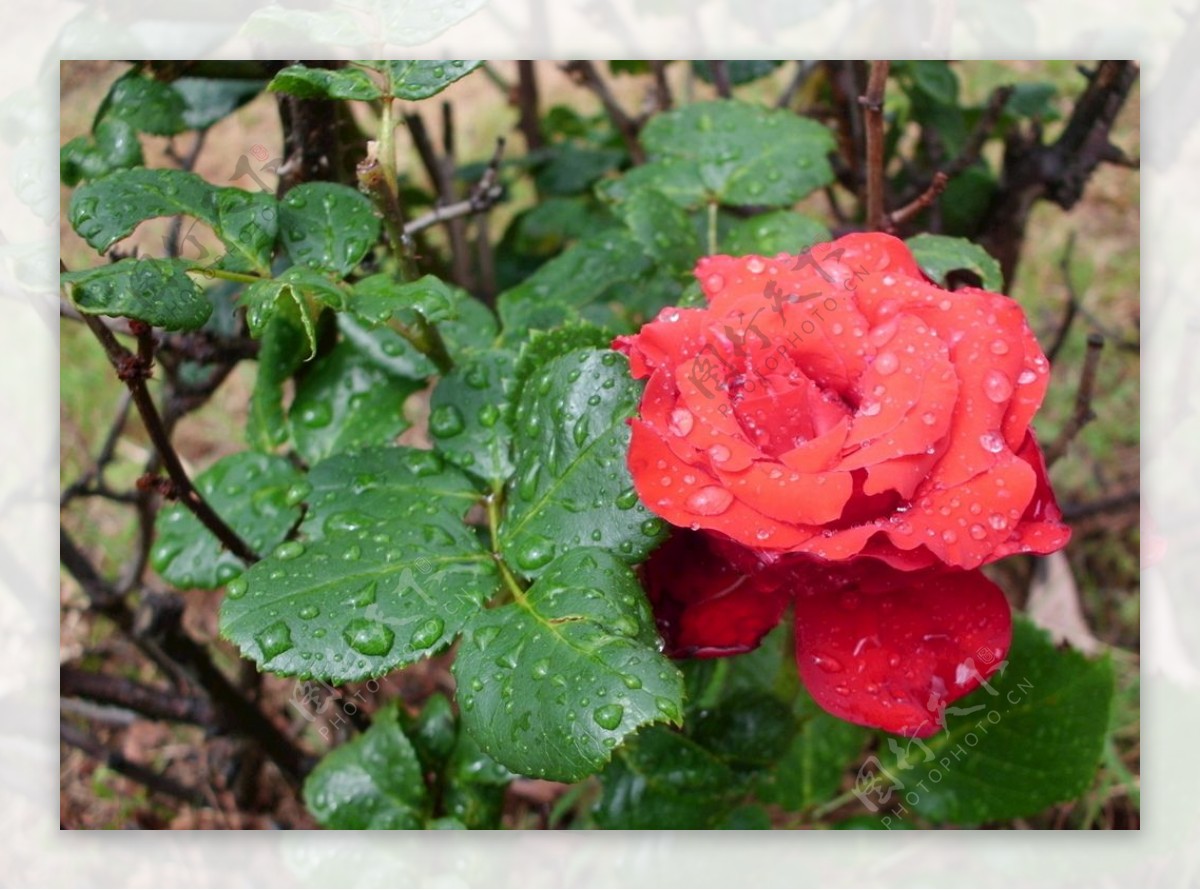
(1033,100)
(105,211)
(468,415)
(158,292)
(663,228)
(740,72)
(966,200)
(113,145)
(939,255)
(553,223)
(552,682)
(570,281)
(420,79)
(327,226)
(383,481)
(346,402)
(371,782)
(208,99)
(148,105)
(572,487)
(768,234)
(663,780)
(386,348)
(258,496)
(750,817)
(304,287)
(325,83)
(109,209)
(282,351)
(813,766)
(732,153)
(935,79)
(388,574)
(1033,739)
(570,169)
(379,297)
(542,347)
(750,731)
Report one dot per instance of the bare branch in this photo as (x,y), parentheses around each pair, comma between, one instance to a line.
(908,211)
(117,762)
(872,103)
(527,105)
(1083,401)
(720,76)
(585,74)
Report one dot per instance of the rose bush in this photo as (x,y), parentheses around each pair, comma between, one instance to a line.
(844,430)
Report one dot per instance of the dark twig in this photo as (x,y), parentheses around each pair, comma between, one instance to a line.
(1083,412)
(663,100)
(117,762)
(133,372)
(585,74)
(982,130)
(720,76)
(804,71)
(157,704)
(527,105)
(1117,503)
(872,103)
(1072,307)
(908,211)
(484,195)
(456,226)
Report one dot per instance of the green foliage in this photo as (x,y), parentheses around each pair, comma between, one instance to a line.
(158,292)
(555,680)
(509,543)
(372,782)
(1032,739)
(571,488)
(731,152)
(257,494)
(939,255)
(388,573)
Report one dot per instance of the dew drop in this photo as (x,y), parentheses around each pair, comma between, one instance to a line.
(997,386)
(949,536)
(929,418)
(681,422)
(754,265)
(368,637)
(308,613)
(274,640)
(999,347)
(869,409)
(446,421)
(535,553)
(709,501)
(978,532)
(627,499)
(608,716)
(992,442)
(719,454)
(827,663)
(427,634)
(288,550)
(1026,377)
(488,416)
(237,588)
(886,363)
(998,522)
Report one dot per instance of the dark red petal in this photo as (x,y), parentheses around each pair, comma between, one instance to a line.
(705,605)
(893,649)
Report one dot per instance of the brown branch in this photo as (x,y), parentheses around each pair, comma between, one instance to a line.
(117,762)
(804,71)
(908,211)
(1115,504)
(663,98)
(971,149)
(720,76)
(527,105)
(157,704)
(585,74)
(872,103)
(133,372)
(1083,412)
(1072,306)
(484,195)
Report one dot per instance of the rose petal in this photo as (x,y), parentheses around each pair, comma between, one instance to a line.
(689,496)
(895,648)
(1040,528)
(964,525)
(791,497)
(705,605)
(674,336)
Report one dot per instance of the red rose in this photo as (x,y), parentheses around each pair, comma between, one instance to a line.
(864,436)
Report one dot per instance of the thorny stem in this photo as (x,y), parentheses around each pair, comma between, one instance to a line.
(133,372)
(872,103)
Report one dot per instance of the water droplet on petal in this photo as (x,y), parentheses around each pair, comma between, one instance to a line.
(992,442)
(997,386)
(681,422)
(709,501)
(719,454)
(1026,377)
(827,663)
(886,363)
